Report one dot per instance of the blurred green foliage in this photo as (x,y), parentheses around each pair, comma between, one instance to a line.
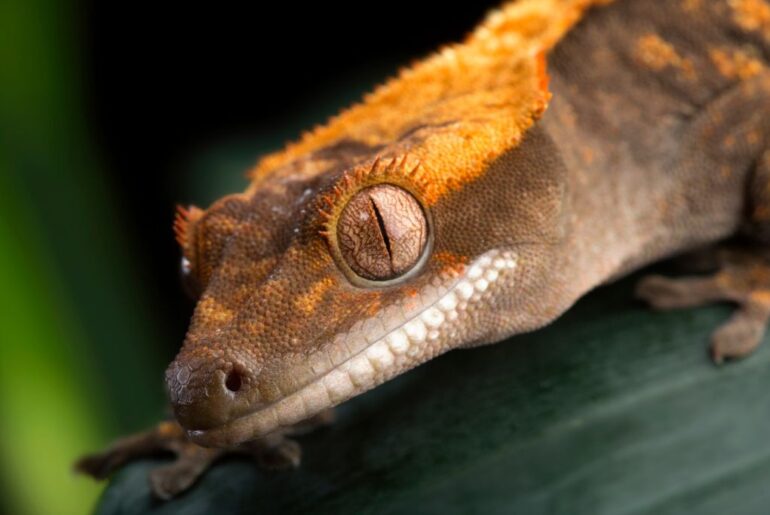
(82,343)
(67,340)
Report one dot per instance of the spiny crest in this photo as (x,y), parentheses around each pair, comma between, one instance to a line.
(403,171)
(183,218)
(460,107)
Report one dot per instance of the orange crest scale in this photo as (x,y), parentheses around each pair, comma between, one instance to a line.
(402,171)
(184,219)
(455,110)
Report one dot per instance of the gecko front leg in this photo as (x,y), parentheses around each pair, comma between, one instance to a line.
(743,278)
(274,452)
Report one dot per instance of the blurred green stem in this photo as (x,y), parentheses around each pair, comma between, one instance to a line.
(68,298)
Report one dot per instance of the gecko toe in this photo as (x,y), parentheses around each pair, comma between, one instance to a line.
(98,466)
(671,293)
(170,480)
(276,453)
(273,452)
(743,333)
(743,279)
(157,440)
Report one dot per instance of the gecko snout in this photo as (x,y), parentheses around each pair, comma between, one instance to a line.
(206,393)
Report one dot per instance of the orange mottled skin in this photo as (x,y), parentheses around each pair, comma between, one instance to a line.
(563,144)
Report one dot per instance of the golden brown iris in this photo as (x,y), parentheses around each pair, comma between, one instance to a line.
(382,232)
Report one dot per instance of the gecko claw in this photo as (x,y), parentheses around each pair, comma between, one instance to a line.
(157,440)
(743,333)
(284,454)
(167,481)
(273,452)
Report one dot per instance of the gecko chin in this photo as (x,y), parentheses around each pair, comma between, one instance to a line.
(373,351)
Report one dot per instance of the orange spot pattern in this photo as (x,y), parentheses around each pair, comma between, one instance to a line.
(752,15)
(657,54)
(735,63)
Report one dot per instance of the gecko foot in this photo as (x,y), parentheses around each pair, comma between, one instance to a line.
(275,451)
(743,278)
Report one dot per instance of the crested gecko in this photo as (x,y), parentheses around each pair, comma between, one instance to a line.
(477,195)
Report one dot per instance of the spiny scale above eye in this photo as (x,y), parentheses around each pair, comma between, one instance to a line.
(403,171)
(184,216)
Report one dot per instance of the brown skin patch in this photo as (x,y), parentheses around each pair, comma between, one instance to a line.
(691,5)
(760,209)
(588,154)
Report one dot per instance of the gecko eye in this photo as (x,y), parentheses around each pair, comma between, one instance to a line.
(189,284)
(382,232)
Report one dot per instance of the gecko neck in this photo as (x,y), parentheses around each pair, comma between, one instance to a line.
(641,114)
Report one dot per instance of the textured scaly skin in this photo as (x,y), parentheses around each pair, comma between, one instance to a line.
(563,144)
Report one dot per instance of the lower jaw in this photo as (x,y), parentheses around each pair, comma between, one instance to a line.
(283,413)
(246,428)
(286,412)
(325,392)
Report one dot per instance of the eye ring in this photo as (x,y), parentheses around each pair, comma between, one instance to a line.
(383,235)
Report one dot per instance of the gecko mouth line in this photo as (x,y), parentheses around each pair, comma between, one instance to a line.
(427,333)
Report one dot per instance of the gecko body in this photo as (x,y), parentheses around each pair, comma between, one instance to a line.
(478,195)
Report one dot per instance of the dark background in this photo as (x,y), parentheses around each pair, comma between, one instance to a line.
(167,79)
(111,113)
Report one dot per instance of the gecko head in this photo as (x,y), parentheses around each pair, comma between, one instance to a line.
(315,287)
(425,218)
(428,216)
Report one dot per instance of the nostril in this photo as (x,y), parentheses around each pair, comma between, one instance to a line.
(233,381)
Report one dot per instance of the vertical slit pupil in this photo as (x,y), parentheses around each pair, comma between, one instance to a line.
(381,224)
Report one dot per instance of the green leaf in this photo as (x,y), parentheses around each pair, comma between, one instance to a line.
(613,409)
(71,311)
